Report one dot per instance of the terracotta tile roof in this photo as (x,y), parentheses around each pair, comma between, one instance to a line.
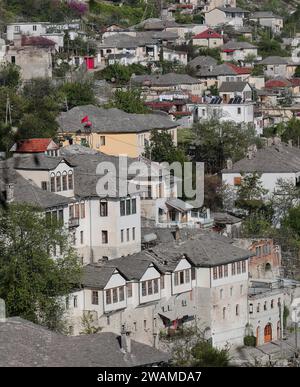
(33,145)
(272,83)
(239,70)
(208,34)
(38,41)
(295,81)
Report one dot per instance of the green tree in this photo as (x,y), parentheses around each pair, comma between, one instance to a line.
(120,74)
(9,75)
(88,324)
(292,220)
(32,283)
(161,148)
(250,193)
(216,141)
(129,100)
(78,93)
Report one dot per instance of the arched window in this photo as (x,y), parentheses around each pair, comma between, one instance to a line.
(52,182)
(64,181)
(58,181)
(268,267)
(70,179)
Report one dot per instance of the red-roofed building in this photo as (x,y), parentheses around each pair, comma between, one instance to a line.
(208,38)
(277,83)
(33,54)
(36,145)
(240,70)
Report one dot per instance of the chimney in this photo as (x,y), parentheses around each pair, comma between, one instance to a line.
(229,163)
(2,311)
(290,142)
(125,340)
(9,189)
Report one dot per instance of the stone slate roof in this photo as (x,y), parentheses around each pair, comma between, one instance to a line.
(274,159)
(270,60)
(96,276)
(179,204)
(203,249)
(111,120)
(229,87)
(264,15)
(39,162)
(232,9)
(225,218)
(85,176)
(222,69)
(24,344)
(237,45)
(165,79)
(27,192)
(202,61)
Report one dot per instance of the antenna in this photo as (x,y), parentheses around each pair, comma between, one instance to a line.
(8,111)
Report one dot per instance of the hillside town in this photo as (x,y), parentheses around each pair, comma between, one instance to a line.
(149,183)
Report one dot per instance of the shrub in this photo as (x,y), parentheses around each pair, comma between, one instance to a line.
(250,341)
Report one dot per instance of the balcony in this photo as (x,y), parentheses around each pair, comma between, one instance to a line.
(73,222)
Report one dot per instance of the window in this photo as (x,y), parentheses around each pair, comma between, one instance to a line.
(176,278)
(272,304)
(224,313)
(150,288)
(225,270)
(220,271)
(122,207)
(238,267)
(103,208)
(231,291)
(81,237)
(121,293)
(75,301)
(162,282)
(144,292)
(102,140)
(233,269)
(52,183)
(265,305)
(122,236)
(61,216)
(115,295)
(58,182)
(187,275)
(243,266)
(215,273)
(237,180)
(239,110)
(71,211)
(108,320)
(193,272)
(128,207)
(237,310)
(145,324)
(70,180)
(221,294)
(82,210)
(181,277)
(76,208)
(95,297)
(17,28)
(108,296)
(129,290)
(34,28)
(44,185)
(104,237)
(258,308)
(65,181)
(133,210)
(13,59)
(155,286)
(133,233)
(127,234)
(67,303)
